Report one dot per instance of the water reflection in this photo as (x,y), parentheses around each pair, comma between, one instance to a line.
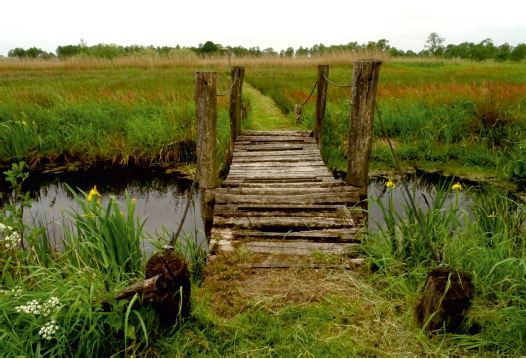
(161,198)
(423,190)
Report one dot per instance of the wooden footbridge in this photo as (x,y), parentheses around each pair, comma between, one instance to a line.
(279,197)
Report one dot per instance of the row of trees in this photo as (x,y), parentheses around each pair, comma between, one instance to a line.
(484,50)
(434,46)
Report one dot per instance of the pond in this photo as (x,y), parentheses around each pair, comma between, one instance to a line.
(161,198)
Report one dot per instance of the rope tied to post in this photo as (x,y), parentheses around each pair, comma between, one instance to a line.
(310,95)
(335,83)
(231,87)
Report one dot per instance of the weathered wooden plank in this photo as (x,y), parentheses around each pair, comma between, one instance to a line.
(265,173)
(300,198)
(302,248)
(276,133)
(323,235)
(311,184)
(243,181)
(313,171)
(312,153)
(230,211)
(278,164)
(280,178)
(279,147)
(284,206)
(273,138)
(290,159)
(289,222)
(287,190)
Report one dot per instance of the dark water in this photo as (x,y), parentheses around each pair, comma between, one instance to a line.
(423,189)
(161,198)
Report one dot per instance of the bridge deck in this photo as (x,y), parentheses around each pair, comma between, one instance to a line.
(279,197)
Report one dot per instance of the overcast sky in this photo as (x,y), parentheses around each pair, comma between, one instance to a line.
(271,23)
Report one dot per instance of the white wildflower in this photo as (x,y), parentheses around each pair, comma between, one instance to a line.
(48,330)
(50,306)
(16,291)
(4,228)
(31,307)
(13,240)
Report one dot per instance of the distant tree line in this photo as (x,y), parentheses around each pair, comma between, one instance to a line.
(434,47)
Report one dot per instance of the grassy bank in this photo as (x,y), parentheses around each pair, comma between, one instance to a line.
(111,116)
(465,118)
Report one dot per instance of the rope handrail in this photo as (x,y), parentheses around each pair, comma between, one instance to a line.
(311,92)
(230,89)
(335,83)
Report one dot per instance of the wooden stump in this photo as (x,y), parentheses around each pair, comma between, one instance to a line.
(175,303)
(446,298)
(167,287)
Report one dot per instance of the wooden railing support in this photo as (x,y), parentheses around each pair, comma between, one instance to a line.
(206,111)
(321,103)
(363,99)
(237,74)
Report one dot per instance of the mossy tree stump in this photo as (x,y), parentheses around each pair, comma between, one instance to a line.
(445,300)
(167,287)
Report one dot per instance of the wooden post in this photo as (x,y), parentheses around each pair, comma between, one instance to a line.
(363,99)
(205,107)
(321,102)
(237,74)
(298,112)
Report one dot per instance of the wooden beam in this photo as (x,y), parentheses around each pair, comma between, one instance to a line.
(321,103)
(363,99)
(206,111)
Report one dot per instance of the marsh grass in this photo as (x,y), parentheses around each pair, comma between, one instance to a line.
(450,115)
(100,255)
(116,116)
(236,312)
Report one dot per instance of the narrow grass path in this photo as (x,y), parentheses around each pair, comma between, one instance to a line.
(264,113)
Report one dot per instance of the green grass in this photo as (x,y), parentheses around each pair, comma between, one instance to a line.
(115,116)
(462,117)
(264,114)
(439,115)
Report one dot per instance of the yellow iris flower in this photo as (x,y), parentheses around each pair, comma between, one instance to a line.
(456,187)
(93,193)
(390,184)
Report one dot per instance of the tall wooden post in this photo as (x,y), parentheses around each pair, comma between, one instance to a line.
(205,107)
(237,74)
(321,102)
(363,99)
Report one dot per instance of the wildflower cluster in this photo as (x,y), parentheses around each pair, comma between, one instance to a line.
(16,291)
(48,330)
(45,309)
(34,307)
(31,307)
(11,238)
